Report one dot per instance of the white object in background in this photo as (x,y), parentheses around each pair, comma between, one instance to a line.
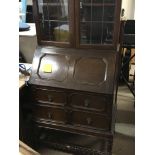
(20,12)
(63,27)
(125,129)
(129,6)
(21,15)
(31,32)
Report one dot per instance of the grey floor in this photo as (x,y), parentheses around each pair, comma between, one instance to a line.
(124,139)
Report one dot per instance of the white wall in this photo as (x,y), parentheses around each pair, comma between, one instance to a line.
(129,6)
(27,46)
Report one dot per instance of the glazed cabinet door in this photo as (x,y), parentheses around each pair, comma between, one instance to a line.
(54,22)
(98,23)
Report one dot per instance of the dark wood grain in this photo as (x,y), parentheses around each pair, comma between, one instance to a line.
(87,70)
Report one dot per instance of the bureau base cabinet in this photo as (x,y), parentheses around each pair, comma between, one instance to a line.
(59,124)
(71,108)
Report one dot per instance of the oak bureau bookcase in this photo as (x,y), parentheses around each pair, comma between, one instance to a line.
(73,83)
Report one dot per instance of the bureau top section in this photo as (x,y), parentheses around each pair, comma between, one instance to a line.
(91,71)
(78,23)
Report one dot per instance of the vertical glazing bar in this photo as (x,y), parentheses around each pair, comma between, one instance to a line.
(59,31)
(49,23)
(91,22)
(41,10)
(58,18)
(102,23)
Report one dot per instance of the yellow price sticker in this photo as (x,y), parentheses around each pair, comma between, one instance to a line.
(47,68)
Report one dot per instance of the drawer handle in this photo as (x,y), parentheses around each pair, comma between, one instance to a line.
(49,115)
(86,103)
(89,121)
(50,99)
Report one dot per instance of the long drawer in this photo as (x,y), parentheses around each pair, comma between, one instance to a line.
(50,96)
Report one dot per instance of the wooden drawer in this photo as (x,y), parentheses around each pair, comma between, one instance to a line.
(49,114)
(50,96)
(90,102)
(90,120)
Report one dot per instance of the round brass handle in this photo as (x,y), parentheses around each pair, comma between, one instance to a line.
(89,121)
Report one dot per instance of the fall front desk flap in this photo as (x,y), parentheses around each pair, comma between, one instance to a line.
(85,70)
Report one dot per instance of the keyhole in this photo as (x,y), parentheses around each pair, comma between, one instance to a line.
(49,115)
(50,99)
(86,103)
(89,121)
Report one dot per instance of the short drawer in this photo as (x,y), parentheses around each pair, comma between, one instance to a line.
(90,120)
(49,113)
(90,102)
(50,96)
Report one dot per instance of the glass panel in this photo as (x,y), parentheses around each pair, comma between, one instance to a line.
(96,21)
(45,30)
(61,32)
(58,9)
(96,12)
(54,14)
(96,33)
(54,29)
(109,33)
(85,32)
(108,13)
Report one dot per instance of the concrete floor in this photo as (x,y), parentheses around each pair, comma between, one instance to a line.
(124,139)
